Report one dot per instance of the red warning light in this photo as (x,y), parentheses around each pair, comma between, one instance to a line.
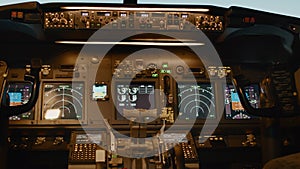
(249,20)
(14,14)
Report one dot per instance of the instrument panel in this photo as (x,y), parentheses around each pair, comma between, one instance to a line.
(133,19)
(148,80)
(136,89)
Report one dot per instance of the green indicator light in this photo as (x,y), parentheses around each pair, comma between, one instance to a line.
(162,71)
(155,75)
(165,65)
(168,71)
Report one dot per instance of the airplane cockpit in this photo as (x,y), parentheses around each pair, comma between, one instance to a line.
(147,86)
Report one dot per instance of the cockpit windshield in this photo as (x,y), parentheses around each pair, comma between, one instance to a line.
(289,8)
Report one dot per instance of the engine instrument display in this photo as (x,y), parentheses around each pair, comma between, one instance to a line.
(62,100)
(233,106)
(19,94)
(196,100)
(135,98)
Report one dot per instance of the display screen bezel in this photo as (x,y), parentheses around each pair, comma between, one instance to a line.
(228,115)
(18,119)
(81,120)
(100,92)
(201,83)
(118,116)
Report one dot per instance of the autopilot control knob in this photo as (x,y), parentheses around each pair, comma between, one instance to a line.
(55,20)
(40,140)
(250,141)
(46,70)
(58,140)
(24,144)
(63,21)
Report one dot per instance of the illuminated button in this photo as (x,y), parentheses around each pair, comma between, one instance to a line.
(123,25)
(165,65)
(142,26)
(14,14)
(115,25)
(20,15)
(131,25)
(168,71)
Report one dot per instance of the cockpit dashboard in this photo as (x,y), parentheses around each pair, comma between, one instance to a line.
(159,66)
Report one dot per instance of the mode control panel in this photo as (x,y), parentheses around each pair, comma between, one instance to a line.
(59,20)
(137,20)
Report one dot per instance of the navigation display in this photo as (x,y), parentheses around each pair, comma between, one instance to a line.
(233,106)
(135,99)
(19,94)
(63,100)
(196,100)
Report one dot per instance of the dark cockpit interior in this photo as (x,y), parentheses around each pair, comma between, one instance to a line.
(144,86)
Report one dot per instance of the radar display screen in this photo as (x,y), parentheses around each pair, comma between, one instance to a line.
(19,94)
(139,96)
(196,101)
(63,100)
(233,106)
